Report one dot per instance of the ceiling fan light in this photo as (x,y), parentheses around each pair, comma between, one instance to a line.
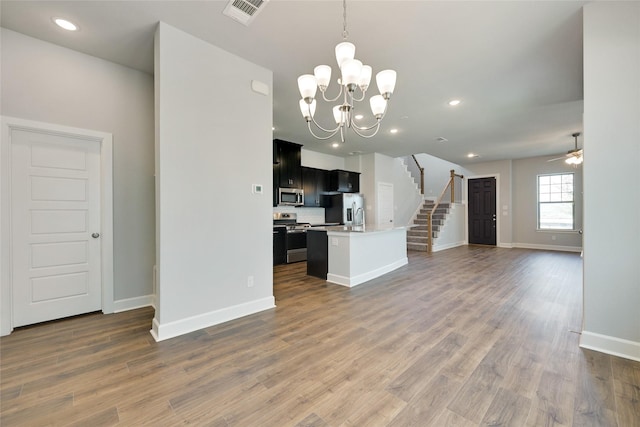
(351,70)
(378,106)
(308,86)
(344,51)
(322,74)
(386,81)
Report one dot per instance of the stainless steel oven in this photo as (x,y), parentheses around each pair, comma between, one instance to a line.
(296,236)
(296,245)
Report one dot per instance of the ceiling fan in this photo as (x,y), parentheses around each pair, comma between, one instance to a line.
(573,157)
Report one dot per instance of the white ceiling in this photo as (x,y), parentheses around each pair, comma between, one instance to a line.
(516,65)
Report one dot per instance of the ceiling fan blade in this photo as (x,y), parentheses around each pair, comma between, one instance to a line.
(557,158)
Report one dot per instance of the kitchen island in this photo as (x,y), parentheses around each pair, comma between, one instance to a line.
(356,254)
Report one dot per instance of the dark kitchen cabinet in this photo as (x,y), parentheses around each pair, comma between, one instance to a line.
(279,245)
(344,181)
(317,253)
(314,184)
(288,157)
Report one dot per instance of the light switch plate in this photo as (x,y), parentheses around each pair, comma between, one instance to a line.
(257,189)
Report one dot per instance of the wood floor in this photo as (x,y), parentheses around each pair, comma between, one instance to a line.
(465,337)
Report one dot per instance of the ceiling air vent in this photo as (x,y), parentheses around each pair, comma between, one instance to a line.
(243,11)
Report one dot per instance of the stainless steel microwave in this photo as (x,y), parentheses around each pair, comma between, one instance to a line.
(290,197)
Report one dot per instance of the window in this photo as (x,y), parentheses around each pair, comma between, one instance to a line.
(555,202)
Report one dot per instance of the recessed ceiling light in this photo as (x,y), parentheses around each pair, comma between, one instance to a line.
(394,130)
(454,102)
(67,25)
(359,116)
(335,145)
(473,156)
(442,139)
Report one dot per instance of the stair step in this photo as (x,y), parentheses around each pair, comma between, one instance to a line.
(417,247)
(421,232)
(435,217)
(434,222)
(418,239)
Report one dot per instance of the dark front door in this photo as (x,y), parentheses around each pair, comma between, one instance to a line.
(482,211)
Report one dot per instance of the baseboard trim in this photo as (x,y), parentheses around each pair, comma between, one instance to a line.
(547,247)
(365,277)
(438,248)
(133,303)
(161,332)
(610,345)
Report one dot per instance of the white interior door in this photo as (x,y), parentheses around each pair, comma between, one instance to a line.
(55,210)
(385,203)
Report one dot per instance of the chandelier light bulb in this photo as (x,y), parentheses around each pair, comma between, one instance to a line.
(344,51)
(337,114)
(378,106)
(322,74)
(365,77)
(307,109)
(307,85)
(351,70)
(386,81)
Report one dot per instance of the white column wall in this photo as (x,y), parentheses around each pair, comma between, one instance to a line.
(213,142)
(611,198)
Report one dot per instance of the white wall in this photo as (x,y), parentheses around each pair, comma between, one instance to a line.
(377,168)
(436,175)
(525,209)
(207,158)
(48,83)
(317,160)
(611,197)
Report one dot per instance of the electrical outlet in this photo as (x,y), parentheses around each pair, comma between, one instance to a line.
(334,241)
(553,237)
(250,282)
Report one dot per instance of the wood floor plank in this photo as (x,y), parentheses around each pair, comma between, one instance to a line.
(507,409)
(594,401)
(462,337)
(553,403)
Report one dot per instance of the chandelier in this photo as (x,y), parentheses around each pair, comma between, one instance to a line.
(353,84)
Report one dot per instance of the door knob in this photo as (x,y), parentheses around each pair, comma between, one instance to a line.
(95,235)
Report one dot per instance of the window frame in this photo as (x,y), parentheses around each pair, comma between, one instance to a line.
(572,202)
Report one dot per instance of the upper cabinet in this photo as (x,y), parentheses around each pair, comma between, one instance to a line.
(344,181)
(287,162)
(314,184)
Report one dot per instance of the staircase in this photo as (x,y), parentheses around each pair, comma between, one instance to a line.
(418,236)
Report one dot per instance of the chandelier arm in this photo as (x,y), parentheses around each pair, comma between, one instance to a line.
(332,99)
(353,98)
(332,134)
(359,133)
(365,128)
(320,127)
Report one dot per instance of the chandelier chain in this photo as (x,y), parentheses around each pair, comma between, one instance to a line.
(345,33)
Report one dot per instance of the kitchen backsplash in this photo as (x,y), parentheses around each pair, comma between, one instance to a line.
(310,215)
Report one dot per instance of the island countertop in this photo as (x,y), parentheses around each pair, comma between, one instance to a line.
(356,229)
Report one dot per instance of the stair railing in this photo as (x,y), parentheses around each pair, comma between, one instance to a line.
(450,183)
(421,169)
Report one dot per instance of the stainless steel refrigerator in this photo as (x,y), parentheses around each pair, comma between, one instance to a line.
(344,208)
